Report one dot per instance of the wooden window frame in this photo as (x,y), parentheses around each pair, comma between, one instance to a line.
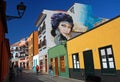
(106,59)
(75,60)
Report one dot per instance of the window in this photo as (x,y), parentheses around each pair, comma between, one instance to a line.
(16,55)
(43,26)
(51,61)
(17,49)
(107,60)
(72,10)
(11,55)
(42,18)
(62,64)
(40,44)
(44,41)
(39,31)
(76,63)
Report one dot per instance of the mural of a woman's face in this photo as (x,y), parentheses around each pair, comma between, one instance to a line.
(65,28)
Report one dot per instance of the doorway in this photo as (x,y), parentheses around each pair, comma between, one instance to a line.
(56,67)
(88,63)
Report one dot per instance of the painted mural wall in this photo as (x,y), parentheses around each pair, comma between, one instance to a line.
(55,27)
(62,26)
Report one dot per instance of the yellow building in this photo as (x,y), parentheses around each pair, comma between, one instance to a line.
(96,53)
(33,47)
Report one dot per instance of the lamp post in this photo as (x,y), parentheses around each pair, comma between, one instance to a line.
(21,9)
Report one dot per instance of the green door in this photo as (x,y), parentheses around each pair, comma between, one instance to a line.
(88,63)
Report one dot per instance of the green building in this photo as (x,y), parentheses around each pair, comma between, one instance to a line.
(57,56)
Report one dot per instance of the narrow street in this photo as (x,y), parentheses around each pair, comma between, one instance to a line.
(30,76)
(27,77)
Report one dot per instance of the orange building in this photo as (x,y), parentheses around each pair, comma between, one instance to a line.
(32,47)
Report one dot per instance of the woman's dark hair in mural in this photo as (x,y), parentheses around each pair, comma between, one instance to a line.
(56,19)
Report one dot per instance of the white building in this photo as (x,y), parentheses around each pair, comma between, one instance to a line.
(19,53)
(45,39)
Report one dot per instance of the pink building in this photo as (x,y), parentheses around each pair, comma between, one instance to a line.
(19,53)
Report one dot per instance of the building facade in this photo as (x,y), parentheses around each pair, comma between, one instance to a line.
(95,53)
(80,14)
(4,44)
(32,48)
(19,53)
(83,17)
(43,39)
(57,56)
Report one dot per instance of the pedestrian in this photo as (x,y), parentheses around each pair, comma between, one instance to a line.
(16,69)
(20,69)
(37,69)
(12,74)
(51,70)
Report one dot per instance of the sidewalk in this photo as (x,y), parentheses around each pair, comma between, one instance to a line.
(47,78)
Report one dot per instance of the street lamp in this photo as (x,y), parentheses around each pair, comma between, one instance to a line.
(21,9)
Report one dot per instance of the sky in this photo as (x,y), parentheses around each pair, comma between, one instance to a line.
(22,28)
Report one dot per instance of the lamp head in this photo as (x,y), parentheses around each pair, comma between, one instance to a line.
(21,9)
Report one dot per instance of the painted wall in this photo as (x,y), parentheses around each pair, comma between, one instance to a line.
(35,62)
(30,50)
(35,43)
(80,17)
(83,17)
(106,34)
(4,45)
(82,13)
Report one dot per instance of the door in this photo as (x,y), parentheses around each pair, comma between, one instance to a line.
(88,63)
(56,67)
(46,65)
(41,65)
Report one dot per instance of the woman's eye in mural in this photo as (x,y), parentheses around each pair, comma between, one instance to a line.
(66,26)
(63,25)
